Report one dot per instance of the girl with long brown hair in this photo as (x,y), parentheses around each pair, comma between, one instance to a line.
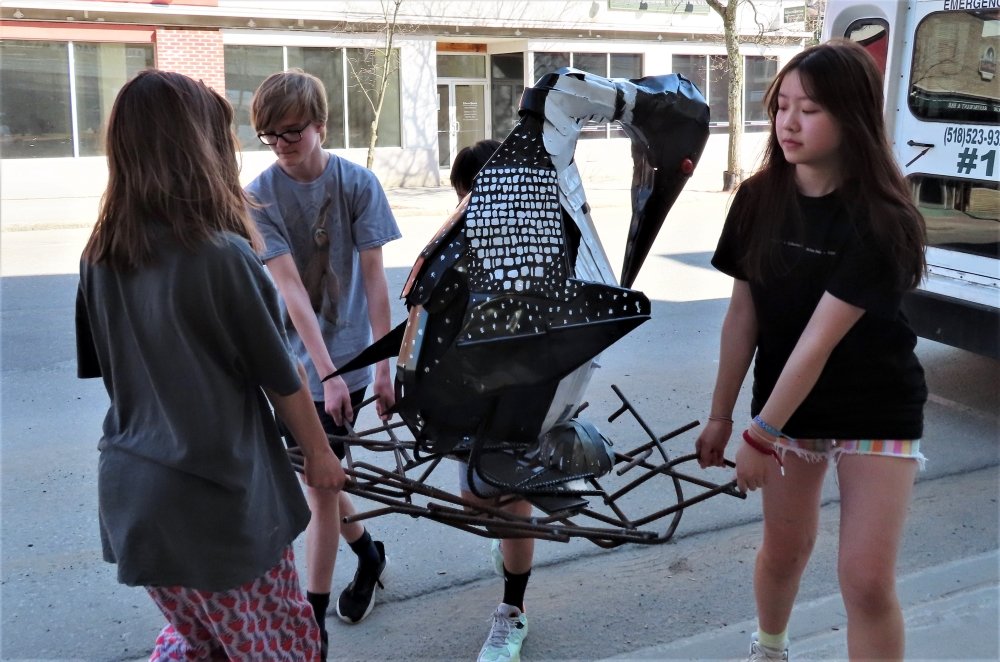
(176,313)
(822,243)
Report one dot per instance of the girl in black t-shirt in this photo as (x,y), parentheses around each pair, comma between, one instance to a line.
(822,243)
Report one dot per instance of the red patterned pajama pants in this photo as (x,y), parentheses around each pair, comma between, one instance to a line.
(265,619)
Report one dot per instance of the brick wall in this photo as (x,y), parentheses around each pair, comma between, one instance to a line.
(195,53)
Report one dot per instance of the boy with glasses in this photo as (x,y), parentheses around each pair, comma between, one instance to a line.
(324,221)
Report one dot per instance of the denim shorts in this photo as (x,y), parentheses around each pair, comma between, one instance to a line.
(819,450)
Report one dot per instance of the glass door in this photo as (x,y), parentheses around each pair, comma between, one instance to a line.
(461,118)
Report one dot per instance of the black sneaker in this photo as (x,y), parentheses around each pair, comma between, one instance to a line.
(358,598)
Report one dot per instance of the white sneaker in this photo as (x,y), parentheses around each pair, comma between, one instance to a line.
(510,627)
(761,653)
(496,555)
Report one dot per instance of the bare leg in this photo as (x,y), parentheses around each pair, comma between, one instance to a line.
(791,520)
(322,539)
(351,532)
(874,499)
(518,553)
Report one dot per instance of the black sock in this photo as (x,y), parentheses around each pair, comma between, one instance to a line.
(367,553)
(514,587)
(320,603)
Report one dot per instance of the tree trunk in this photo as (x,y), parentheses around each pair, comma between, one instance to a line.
(372,138)
(382,75)
(734,162)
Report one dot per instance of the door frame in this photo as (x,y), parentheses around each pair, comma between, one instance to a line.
(451,84)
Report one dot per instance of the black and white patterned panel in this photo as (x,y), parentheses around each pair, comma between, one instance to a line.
(513,227)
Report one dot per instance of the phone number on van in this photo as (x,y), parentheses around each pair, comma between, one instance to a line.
(971,135)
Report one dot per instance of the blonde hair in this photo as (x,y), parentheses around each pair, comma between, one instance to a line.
(171,162)
(289,93)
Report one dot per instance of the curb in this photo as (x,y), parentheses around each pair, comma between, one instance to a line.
(951,612)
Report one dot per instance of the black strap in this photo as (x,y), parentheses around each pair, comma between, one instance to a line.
(386,346)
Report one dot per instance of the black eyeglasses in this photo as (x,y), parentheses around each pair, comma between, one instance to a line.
(290,136)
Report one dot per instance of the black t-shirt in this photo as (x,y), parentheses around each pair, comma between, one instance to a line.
(872,386)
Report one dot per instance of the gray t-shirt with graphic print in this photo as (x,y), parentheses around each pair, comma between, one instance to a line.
(324,224)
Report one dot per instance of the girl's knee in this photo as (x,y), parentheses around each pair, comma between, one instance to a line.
(868,589)
(787,550)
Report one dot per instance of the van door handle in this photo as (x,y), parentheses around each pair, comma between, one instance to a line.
(927,147)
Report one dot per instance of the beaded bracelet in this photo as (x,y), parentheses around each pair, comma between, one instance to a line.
(766,450)
(767,427)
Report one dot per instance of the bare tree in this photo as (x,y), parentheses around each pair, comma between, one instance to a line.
(373,68)
(728,10)
(730,30)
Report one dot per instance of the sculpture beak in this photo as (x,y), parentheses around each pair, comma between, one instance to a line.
(668,125)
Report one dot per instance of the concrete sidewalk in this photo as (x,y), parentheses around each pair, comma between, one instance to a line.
(952,612)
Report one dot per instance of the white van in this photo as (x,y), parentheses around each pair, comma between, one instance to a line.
(942,109)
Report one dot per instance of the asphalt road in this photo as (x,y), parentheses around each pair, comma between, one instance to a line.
(61,602)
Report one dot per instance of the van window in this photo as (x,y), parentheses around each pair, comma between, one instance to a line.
(962,215)
(953,75)
(873,34)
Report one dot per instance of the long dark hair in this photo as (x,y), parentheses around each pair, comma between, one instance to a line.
(171,162)
(841,77)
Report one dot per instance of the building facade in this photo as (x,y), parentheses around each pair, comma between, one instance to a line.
(458,71)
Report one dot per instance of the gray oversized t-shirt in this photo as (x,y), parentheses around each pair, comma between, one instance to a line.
(346,209)
(194,486)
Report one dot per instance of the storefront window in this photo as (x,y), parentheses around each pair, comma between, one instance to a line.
(35,118)
(507,85)
(101,70)
(692,67)
(328,66)
(246,68)
(361,77)
(710,74)
(608,65)
(626,65)
(592,63)
(757,77)
(718,88)
(461,65)
(546,63)
(36,108)
(350,112)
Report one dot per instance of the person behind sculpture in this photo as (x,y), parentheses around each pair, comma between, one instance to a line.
(512,557)
(198,501)
(324,221)
(467,164)
(822,243)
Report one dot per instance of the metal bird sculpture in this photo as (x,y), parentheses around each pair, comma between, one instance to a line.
(509,305)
